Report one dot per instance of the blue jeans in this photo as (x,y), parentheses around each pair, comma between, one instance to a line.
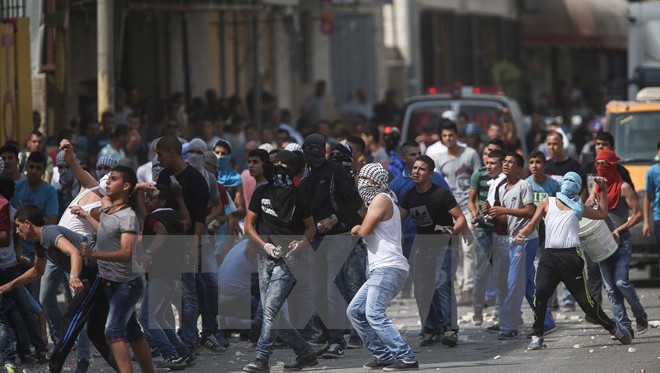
(517,284)
(484,269)
(207,293)
(367,313)
(330,255)
(121,324)
(153,317)
(530,282)
(189,309)
(435,298)
(617,284)
(276,282)
(23,301)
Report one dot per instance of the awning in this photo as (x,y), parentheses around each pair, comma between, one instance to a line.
(578,23)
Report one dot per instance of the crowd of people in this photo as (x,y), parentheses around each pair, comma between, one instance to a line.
(299,236)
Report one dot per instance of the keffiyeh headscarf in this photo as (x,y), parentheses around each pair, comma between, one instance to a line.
(373,181)
(569,193)
(104,162)
(2,166)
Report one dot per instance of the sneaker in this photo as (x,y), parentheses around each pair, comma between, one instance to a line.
(642,324)
(9,368)
(545,332)
(622,334)
(41,357)
(154,352)
(333,352)
(402,365)
(536,343)
(82,366)
(257,366)
(433,340)
(318,340)
(211,342)
(495,328)
(477,320)
(190,360)
(354,342)
(301,362)
(376,365)
(450,338)
(172,363)
(507,335)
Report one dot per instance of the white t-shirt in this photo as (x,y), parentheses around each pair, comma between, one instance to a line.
(384,244)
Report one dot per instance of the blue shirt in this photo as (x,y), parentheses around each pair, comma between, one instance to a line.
(401,185)
(549,188)
(653,186)
(44,197)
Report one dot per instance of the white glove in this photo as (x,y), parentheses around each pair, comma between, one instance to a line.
(272,250)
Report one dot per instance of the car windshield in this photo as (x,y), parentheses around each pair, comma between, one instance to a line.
(635,135)
(426,115)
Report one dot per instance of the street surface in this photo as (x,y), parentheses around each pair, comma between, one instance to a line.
(577,346)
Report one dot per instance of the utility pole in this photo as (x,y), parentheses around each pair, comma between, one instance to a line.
(105,56)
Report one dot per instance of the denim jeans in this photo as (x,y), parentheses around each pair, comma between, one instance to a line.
(484,268)
(189,309)
(22,300)
(17,328)
(121,324)
(434,298)
(6,349)
(516,284)
(207,294)
(154,320)
(51,281)
(367,312)
(330,255)
(276,282)
(619,288)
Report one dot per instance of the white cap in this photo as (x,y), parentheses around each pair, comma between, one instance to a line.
(267,147)
(449,114)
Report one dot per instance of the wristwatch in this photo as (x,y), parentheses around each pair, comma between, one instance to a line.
(334,218)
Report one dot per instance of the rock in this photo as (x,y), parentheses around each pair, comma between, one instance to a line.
(325,367)
(632,349)
(654,323)
(232,362)
(592,337)
(238,353)
(575,318)
(591,351)
(577,346)
(497,357)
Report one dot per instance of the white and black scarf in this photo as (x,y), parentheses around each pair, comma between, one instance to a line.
(373,181)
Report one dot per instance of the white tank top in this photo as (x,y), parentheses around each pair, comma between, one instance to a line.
(77,223)
(384,244)
(562,228)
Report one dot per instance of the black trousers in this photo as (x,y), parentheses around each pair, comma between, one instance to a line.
(567,266)
(90,304)
(594,279)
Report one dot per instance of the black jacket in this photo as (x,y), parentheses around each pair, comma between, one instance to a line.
(331,190)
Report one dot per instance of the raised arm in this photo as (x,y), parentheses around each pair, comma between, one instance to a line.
(84,177)
(603,204)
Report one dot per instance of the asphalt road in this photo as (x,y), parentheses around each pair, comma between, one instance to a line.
(576,346)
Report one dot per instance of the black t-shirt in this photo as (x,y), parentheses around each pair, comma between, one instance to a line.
(430,208)
(195,193)
(168,260)
(269,226)
(557,170)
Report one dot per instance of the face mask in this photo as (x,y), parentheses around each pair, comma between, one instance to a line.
(196,161)
(367,191)
(281,177)
(314,158)
(66,177)
(223,162)
(101,173)
(103,184)
(156,169)
(569,189)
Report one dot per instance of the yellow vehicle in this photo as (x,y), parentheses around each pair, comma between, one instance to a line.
(635,126)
